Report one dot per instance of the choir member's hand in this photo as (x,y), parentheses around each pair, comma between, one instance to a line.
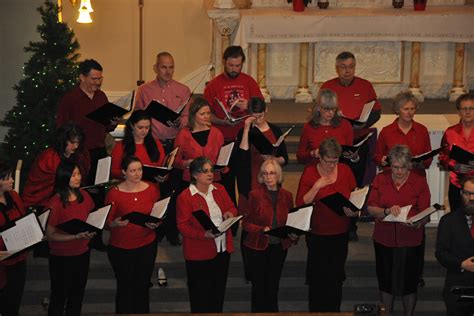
(118,222)
(115,120)
(419,224)
(394,210)
(210,235)
(175,124)
(266,157)
(161,179)
(229,123)
(468,264)
(84,235)
(243,104)
(349,212)
(4,254)
(188,162)
(152,225)
(352,156)
(248,122)
(462,168)
(266,228)
(314,153)
(293,237)
(227,215)
(323,182)
(383,161)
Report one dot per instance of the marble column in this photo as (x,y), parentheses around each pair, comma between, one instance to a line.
(303,95)
(261,71)
(458,85)
(224,4)
(415,71)
(225,24)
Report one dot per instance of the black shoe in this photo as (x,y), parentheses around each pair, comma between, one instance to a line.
(161,276)
(353,236)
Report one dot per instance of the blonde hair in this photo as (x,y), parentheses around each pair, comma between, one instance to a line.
(276,165)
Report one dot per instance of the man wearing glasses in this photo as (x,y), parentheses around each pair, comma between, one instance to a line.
(460,135)
(455,250)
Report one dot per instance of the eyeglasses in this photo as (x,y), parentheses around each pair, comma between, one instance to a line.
(346,67)
(210,170)
(467,193)
(399,167)
(467,109)
(258,115)
(329,109)
(267,174)
(330,162)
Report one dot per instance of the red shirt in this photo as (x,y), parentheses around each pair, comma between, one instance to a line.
(140,153)
(227,90)
(260,215)
(195,245)
(189,148)
(16,211)
(131,236)
(384,194)
(454,135)
(417,139)
(311,138)
(324,221)
(351,99)
(60,214)
(173,95)
(74,106)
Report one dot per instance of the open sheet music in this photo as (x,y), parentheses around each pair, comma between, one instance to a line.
(356,147)
(337,201)
(461,155)
(207,223)
(156,215)
(364,114)
(298,222)
(227,112)
(102,174)
(95,222)
(106,113)
(426,155)
(164,114)
(151,172)
(25,233)
(263,145)
(403,216)
(224,155)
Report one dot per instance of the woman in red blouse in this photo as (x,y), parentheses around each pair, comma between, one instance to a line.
(69,254)
(398,246)
(404,131)
(39,186)
(139,142)
(325,122)
(328,240)
(207,255)
(198,139)
(132,248)
(268,208)
(13,269)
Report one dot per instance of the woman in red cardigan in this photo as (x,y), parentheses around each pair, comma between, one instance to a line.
(207,255)
(268,208)
(198,139)
(69,254)
(328,240)
(13,269)
(398,247)
(132,248)
(139,142)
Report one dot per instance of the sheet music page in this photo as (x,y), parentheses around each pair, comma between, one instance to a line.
(364,115)
(224,109)
(357,197)
(225,225)
(97,218)
(180,109)
(401,218)
(424,213)
(224,154)
(300,219)
(127,101)
(25,233)
(102,174)
(283,136)
(159,208)
(171,157)
(43,218)
(364,140)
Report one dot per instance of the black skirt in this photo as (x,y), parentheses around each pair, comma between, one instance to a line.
(398,268)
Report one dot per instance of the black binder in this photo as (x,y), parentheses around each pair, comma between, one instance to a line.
(76,226)
(461,155)
(140,219)
(427,155)
(284,231)
(207,223)
(336,201)
(106,113)
(164,114)
(263,145)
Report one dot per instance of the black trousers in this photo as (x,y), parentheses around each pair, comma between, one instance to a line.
(327,256)
(454,197)
(454,307)
(265,271)
(133,269)
(68,282)
(11,294)
(207,281)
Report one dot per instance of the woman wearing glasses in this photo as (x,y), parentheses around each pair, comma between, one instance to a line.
(398,246)
(325,122)
(404,131)
(268,208)
(207,255)
(328,240)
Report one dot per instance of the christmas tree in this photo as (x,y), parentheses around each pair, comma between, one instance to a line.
(50,71)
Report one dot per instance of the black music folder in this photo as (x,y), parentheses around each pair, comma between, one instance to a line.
(207,223)
(164,114)
(106,113)
(364,114)
(263,145)
(356,147)
(426,155)
(298,222)
(94,223)
(337,201)
(151,172)
(461,155)
(227,112)
(157,214)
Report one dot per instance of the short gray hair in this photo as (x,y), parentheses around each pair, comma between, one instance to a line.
(400,154)
(403,98)
(197,165)
(330,148)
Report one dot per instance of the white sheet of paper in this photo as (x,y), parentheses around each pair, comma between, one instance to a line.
(159,208)
(97,218)
(357,197)
(43,218)
(102,174)
(224,155)
(225,225)
(25,233)
(401,218)
(364,115)
(300,219)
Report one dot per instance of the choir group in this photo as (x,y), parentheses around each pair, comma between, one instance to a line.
(338,146)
